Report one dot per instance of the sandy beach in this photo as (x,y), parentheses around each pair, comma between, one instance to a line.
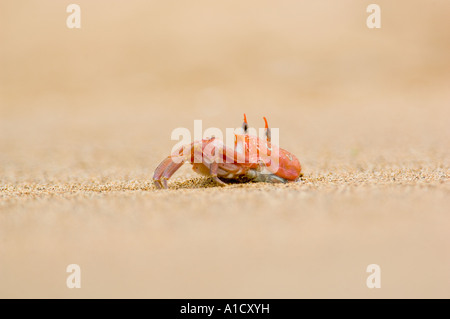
(86,115)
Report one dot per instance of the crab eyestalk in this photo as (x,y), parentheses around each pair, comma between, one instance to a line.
(245,145)
(268,137)
(268,134)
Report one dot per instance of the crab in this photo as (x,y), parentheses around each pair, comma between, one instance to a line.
(252,159)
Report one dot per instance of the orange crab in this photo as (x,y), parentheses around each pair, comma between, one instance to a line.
(252,159)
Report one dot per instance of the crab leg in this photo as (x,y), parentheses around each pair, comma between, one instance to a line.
(210,159)
(165,170)
(213,171)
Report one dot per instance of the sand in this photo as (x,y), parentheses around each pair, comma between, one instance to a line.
(86,116)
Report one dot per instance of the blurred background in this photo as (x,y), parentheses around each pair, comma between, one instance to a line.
(86,115)
(138,70)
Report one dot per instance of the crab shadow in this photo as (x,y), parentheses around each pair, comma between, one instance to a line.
(208,182)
